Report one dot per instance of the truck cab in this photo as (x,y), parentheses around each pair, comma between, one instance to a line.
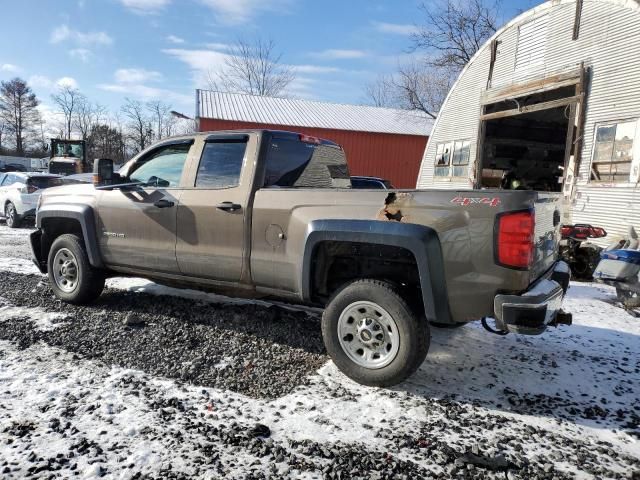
(67,157)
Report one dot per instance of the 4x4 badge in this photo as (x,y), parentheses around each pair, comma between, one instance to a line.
(465,201)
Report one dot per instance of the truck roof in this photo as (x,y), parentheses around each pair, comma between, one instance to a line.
(278,133)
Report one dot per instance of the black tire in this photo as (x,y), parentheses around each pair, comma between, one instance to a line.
(412,333)
(90,281)
(11,216)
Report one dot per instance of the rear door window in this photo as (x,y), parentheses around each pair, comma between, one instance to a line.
(42,182)
(9,180)
(297,164)
(221,163)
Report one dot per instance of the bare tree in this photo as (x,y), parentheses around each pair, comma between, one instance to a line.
(3,131)
(381,92)
(68,99)
(416,86)
(455,30)
(87,115)
(162,118)
(18,110)
(139,125)
(253,67)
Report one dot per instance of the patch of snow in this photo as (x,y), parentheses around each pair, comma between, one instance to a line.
(18,265)
(42,319)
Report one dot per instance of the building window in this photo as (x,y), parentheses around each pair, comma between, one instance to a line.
(452,159)
(613,152)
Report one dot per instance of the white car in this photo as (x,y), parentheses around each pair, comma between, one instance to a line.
(19,194)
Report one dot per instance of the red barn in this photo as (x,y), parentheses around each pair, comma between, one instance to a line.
(378,142)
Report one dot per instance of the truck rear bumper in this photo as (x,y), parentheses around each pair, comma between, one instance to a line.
(532,311)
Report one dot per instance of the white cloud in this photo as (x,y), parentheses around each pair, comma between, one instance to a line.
(40,81)
(136,75)
(68,82)
(132,82)
(340,54)
(52,119)
(219,46)
(145,7)
(82,54)
(241,11)
(64,33)
(9,68)
(146,92)
(395,28)
(201,62)
(314,69)
(175,39)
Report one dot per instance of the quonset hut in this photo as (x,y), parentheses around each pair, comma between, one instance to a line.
(550,102)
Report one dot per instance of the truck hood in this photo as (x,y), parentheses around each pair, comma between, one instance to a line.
(82,189)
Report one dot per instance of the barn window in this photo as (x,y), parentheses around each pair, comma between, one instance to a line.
(532,44)
(613,152)
(452,159)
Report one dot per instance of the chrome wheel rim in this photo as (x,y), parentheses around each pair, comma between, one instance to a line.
(65,270)
(368,334)
(10,214)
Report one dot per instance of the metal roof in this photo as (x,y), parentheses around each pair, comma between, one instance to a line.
(306,113)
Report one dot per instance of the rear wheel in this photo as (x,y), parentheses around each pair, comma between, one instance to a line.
(11,216)
(71,276)
(372,334)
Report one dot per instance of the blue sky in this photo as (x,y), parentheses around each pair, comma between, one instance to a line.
(161,49)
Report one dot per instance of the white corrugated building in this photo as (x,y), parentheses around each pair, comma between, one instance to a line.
(551,102)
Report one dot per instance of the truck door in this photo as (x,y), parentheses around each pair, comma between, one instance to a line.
(213,221)
(137,225)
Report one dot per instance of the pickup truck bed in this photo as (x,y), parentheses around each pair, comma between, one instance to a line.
(261,213)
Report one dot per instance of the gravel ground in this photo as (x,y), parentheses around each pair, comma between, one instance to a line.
(157,386)
(263,352)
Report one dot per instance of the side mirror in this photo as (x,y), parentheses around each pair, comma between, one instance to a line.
(103,171)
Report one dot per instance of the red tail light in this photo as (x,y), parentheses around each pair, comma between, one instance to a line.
(309,139)
(515,239)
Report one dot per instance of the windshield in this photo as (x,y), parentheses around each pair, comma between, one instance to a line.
(68,150)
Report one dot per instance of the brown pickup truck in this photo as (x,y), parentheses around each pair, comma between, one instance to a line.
(261,213)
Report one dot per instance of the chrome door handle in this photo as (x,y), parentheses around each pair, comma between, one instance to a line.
(164,203)
(228,206)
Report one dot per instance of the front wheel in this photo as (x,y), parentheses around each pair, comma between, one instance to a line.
(372,335)
(71,276)
(11,216)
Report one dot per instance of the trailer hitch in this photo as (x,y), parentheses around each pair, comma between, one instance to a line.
(490,329)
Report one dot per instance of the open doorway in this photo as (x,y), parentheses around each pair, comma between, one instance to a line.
(526,141)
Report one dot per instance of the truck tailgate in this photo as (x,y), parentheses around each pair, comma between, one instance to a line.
(547,233)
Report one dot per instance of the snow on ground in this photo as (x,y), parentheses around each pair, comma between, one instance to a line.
(561,405)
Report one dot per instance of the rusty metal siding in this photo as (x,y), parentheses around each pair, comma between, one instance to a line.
(608,45)
(391,156)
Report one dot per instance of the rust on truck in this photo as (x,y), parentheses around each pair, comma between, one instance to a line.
(393,205)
